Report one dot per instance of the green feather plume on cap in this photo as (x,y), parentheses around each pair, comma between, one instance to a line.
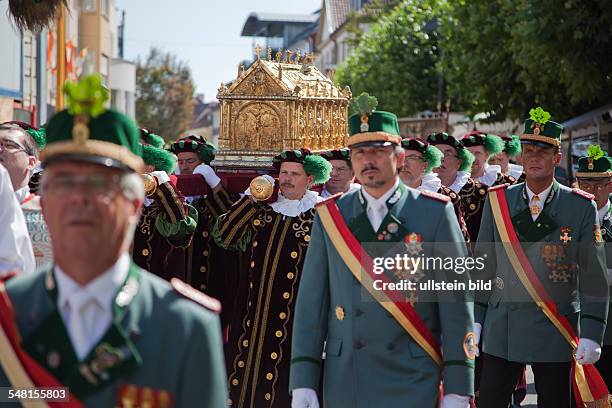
(433,156)
(467,158)
(39,137)
(317,167)
(86,97)
(493,144)
(594,152)
(159,158)
(539,115)
(513,147)
(364,104)
(155,140)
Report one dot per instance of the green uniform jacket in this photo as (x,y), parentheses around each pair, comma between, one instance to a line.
(561,246)
(371,361)
(167,342)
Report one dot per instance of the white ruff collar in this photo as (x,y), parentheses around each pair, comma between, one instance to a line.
(293,208)
(515,170)
(491,172)
(460,180)
(430,182)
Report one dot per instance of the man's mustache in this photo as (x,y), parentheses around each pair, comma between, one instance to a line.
(287,185)
(370,167)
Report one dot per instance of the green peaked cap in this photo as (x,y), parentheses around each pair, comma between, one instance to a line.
(595,164)
(89,132)
(539,128)
(369,126)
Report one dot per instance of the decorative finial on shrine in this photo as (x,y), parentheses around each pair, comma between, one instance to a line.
(269,54)
(279,56)
(258,51)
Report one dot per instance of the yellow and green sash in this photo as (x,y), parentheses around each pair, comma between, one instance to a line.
(590,389)
(20,368)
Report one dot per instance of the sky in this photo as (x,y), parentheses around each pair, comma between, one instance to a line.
(203,33)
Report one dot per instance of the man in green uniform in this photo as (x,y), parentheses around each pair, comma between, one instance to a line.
(595,177)
(114,334)
(558,251)
(375,355)
(167,223)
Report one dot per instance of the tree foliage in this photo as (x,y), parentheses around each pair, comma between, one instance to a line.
(501,57)
(396,60)
(505,56)
(164,94)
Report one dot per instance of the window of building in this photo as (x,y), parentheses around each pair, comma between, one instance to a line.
(104,67)
(88,6)
(105,7)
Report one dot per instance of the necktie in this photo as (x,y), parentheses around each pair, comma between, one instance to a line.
(83,309)
(376,217)
(534,207)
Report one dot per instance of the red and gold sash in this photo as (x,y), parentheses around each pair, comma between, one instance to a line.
(589,387)
(360,265)
(21,369)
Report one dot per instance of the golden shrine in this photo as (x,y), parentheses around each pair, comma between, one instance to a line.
(278,104)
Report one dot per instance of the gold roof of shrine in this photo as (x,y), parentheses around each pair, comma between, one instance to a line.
(277,104)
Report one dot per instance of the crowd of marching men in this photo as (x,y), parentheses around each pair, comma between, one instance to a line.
(297,323)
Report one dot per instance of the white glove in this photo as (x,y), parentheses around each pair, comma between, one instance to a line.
(267,177)
(455,401)
(161,176)
(208,173)
(304,398)
(477,331)
(588,351)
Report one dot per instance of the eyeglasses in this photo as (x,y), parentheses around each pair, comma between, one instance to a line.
(97,185)
(413,158)
(598,186)
(341,170)
(10,146)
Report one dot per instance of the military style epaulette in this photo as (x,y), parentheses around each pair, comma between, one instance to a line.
(436,196)
(583,194)
(330,198)
(200,298)
(498,187)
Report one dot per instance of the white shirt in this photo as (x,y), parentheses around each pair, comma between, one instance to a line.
(353,186)
(515,170)
(97,296)
(16,254)
(542,198)
(460,180)
(491,172)
(430,182)
(377,207)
